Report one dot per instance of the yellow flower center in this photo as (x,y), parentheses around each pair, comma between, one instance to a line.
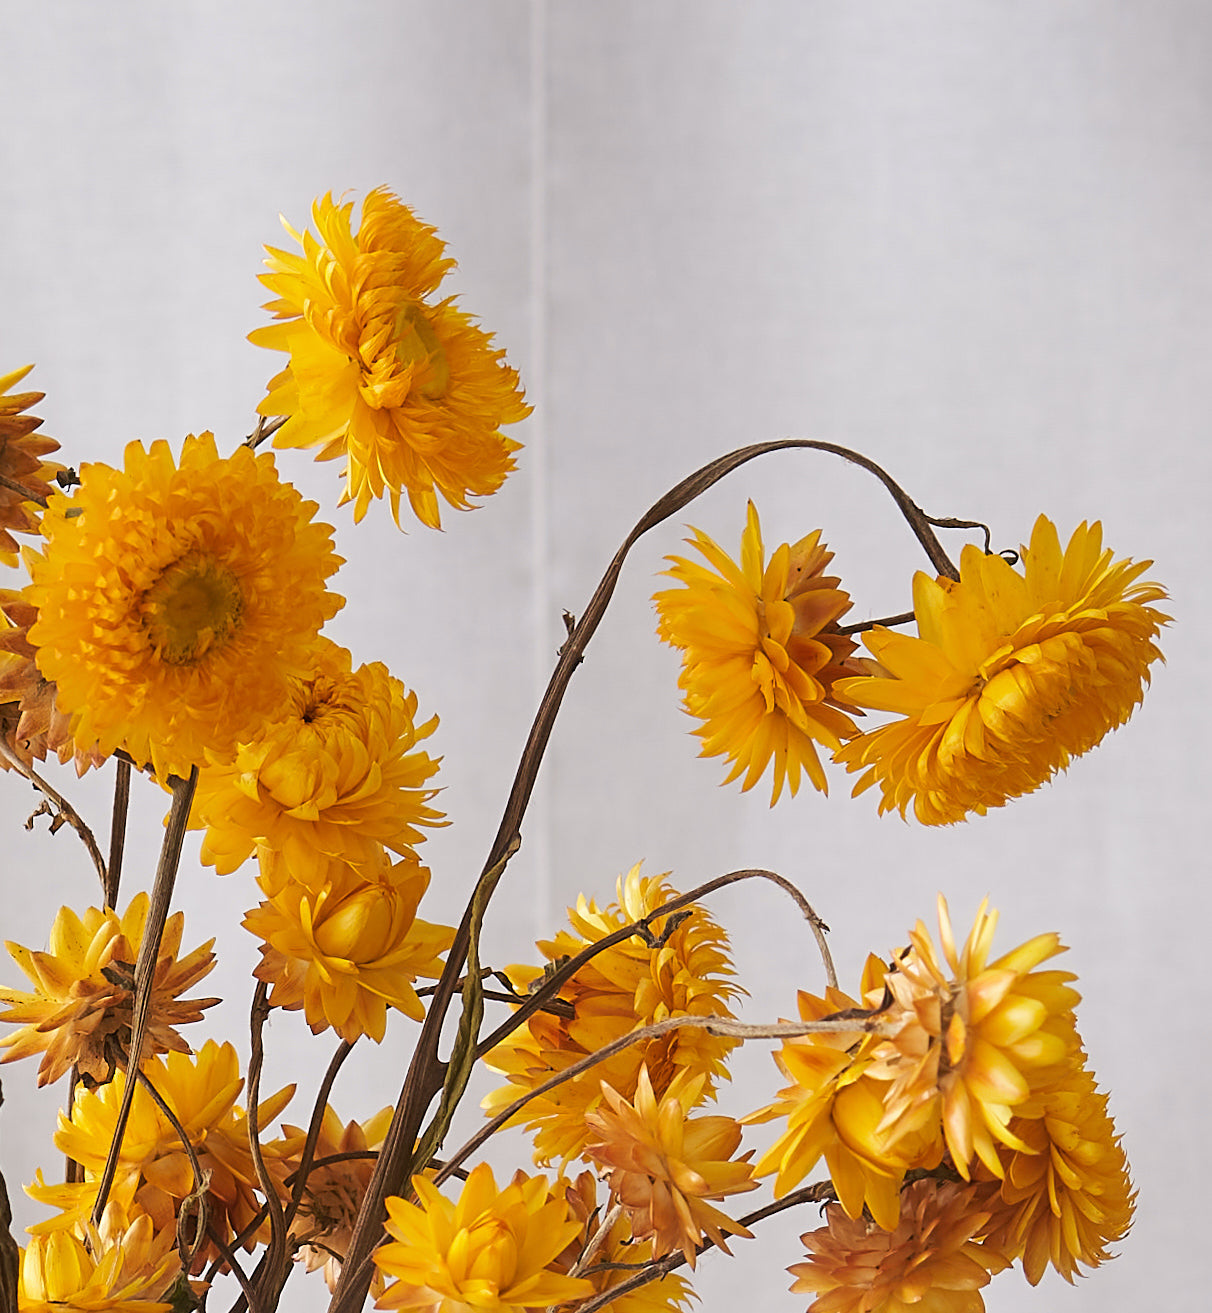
(193,608)
(415,343)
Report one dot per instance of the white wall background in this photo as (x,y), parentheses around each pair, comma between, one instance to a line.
(969,238)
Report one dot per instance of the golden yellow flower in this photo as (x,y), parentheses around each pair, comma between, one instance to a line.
(489,1253)
(323,1225)
(80,1011)
(348,952)
(401,384)
(127,1273)
(681,970)
(664,1165)
(928,1263)
(834,1107)
(1066,1195)
(761,654)
(974,1038)
(336,773)
(21,462)
(175,602)
(1012,676)
(154,1174)
(619,1247)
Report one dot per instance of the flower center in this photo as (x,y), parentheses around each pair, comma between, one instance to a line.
(415,343)
(193,608)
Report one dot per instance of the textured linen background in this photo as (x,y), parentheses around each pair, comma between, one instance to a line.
(970,239)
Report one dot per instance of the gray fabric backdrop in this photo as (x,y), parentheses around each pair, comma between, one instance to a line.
(968,238)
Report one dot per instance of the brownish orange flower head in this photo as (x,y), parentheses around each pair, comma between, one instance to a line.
(80,1011)
(664,1165)
(323,1225)
(928,1263)
(23,468)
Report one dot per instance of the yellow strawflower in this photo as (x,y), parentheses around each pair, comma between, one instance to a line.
(22,452)
(1012,675)
(974,1038)
(491,1252)
(175,601)
(125,1273)
(351,949)
(1066,1195)
(663,1165)
(383,373)
(336,773)
(834,1107)
(154,1174)
(79,1013)
(682,971)
(761,655)
(928,1263)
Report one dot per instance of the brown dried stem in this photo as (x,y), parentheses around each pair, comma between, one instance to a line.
(145,966)
(187,1249)
(117,834)
(274,1267)
(66,812)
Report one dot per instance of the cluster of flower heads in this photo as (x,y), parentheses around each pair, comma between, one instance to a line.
(173,615)
(964,1077)
(1012,674)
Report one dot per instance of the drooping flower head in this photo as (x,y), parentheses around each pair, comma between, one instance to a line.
(401,384)
(664,1166)
(22,463)
(175,601)
(491,1252)
(928,1263)
(680,969)
(761,654)
(1066,1195)
(337,774)
(154,1174)
(80,1011)
(350,948)
(1013,675)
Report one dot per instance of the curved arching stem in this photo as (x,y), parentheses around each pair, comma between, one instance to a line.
(426,1072)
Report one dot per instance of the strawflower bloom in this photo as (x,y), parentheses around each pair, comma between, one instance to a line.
(1011,677)
(30,719)
(617,1246)
(176,600)
(973,1039)
(80,1011)
(348,952)
(154,1174)
(681,970)
(402,385)
(834,1107)
(489,1253)
(126,1273)
(1067,1194)
(928,1263)
(337,773)
(328,1208)
(761,655)
(664,1165)
(22,453)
